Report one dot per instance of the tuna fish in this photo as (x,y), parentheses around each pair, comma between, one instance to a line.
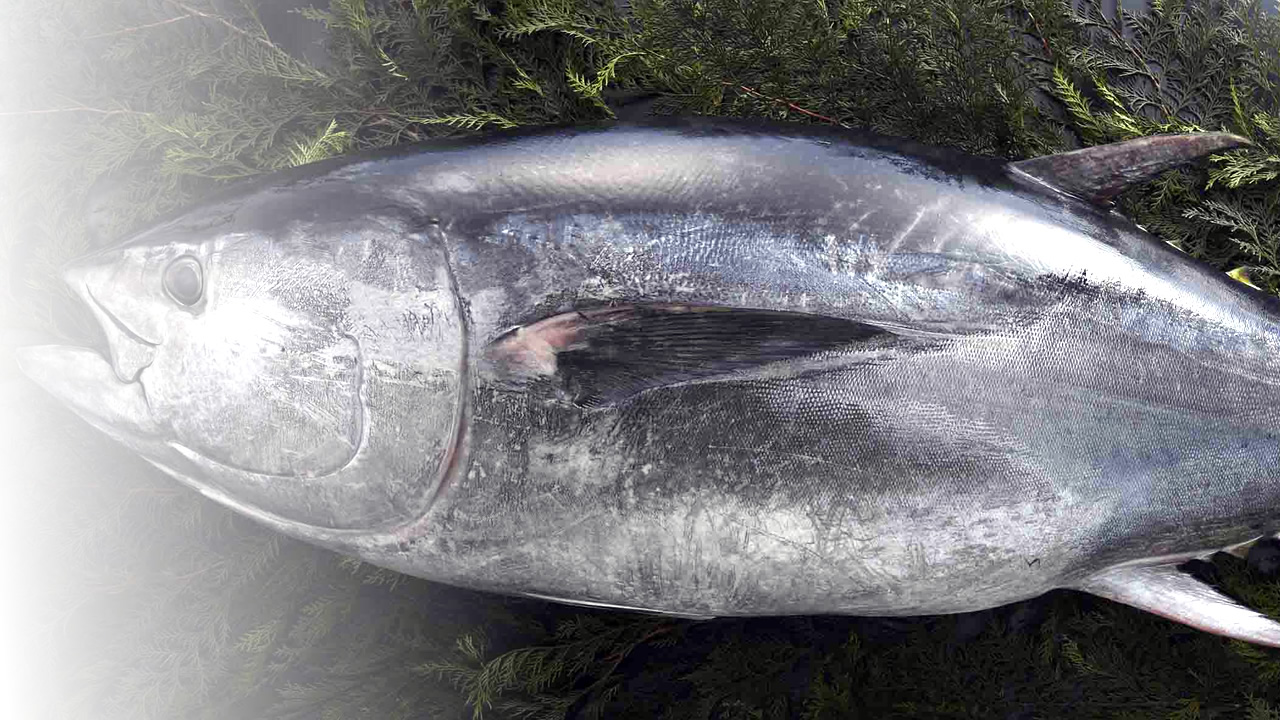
(705,368)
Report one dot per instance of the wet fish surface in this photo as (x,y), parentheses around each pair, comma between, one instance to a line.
(705,368)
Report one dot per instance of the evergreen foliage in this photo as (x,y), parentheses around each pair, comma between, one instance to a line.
(1182,66)
(161,605)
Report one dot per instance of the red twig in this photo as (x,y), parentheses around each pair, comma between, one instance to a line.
(1043,40)
(617,657)
(100,111)
(136,28)
(756,93)
(226,23)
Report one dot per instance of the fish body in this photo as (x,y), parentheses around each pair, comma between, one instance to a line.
(705,368)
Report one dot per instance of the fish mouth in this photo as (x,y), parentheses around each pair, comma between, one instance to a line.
(88,377)
(116,321)
(124,347)
(87,382)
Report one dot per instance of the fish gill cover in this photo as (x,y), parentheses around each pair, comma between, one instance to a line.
(137,598)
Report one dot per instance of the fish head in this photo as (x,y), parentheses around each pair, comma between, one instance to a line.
(307,372)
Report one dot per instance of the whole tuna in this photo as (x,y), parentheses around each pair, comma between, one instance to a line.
(705,368)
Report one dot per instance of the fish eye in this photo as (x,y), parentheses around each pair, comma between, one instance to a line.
(184,280)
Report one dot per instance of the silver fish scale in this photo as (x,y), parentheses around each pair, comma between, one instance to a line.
(846,475)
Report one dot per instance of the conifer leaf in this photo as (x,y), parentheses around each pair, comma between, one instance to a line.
(328,142)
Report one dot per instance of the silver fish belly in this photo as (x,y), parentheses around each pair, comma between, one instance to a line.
(705,368)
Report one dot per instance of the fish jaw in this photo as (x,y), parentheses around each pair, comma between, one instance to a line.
(88,384)
(128,351)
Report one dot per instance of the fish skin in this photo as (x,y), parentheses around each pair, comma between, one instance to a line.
(1051,394)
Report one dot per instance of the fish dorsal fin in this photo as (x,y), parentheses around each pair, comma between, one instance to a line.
(1168,592)
(1100,173)
(604,355)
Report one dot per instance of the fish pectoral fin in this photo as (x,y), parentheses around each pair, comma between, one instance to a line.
(1167,591)
(1100,173)
(605,355)
(613,606)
